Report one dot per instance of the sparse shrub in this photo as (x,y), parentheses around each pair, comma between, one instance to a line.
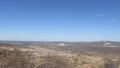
(55,61)
(14,59)
(111,64)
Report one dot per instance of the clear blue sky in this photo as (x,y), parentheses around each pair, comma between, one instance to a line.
(60,20)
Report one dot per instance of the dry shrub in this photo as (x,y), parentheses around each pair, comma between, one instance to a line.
(111,64)
(14,59)
(55,61)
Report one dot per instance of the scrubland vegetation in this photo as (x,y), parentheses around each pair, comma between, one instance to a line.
(11,57)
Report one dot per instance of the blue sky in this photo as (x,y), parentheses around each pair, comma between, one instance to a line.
(60,20)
